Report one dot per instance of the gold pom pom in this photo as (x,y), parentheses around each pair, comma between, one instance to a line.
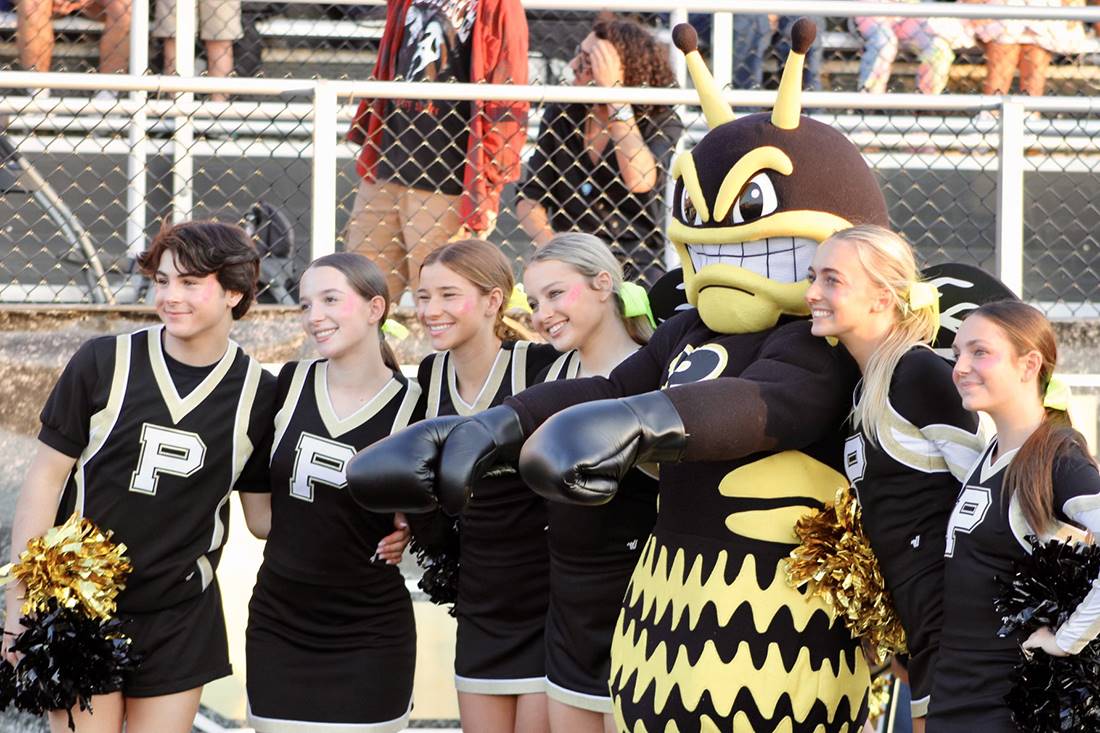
(879,697)
(836,562)
(76,564)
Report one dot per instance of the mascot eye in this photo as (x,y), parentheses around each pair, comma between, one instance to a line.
(687,209)
(757,199)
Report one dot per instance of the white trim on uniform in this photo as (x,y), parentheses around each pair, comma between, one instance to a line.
(179,407)
(102,424)
(278,725)
(518,686)
(919,708)
(286,410)
(581,700)
(489,387)
(337,426)
(408,405)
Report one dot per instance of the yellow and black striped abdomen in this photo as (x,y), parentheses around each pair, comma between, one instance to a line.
(712,638)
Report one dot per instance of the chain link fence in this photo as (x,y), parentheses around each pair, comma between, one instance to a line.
(86,179)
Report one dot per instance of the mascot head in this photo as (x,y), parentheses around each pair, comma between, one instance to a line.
(757,195)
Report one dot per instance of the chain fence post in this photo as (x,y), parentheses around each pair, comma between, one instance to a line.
(323,204)
(721,48)
(1010,196)
(679,65)
(136,158)
(183,134)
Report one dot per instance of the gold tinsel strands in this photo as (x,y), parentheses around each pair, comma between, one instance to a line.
(836,560)
(879,696)
(76,564)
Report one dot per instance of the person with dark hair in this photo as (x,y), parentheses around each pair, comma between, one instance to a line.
(432,169)
(1036,477)
(147,434)
(331,638)
(601,168)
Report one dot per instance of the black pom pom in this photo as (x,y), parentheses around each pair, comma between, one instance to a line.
(685,38)
(439,579)
(7,684)
(68,658)
(803,34)
(1052,693)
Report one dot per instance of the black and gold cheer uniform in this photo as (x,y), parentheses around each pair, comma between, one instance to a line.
(503,581)
(985,537)
(331,639)
(906,482)
(711,636)
(593,551)
(160,445)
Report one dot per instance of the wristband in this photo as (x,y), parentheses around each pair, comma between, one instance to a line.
(625,113)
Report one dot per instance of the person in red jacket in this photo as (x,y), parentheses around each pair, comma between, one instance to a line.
(431,168)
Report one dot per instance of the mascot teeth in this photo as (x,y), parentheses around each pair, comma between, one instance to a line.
(783,259)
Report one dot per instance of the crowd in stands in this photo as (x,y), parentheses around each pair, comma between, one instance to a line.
(433,171)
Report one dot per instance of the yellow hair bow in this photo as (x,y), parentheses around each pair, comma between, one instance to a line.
(394,329)
(518,300)
(1056,395)
(923,295)
(636,302)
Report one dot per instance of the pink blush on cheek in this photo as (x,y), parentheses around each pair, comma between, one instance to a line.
(571,295)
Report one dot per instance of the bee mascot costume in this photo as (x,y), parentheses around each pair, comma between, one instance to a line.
(739,405)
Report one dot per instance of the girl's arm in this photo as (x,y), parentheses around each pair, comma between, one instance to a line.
(35,512)
(257,513)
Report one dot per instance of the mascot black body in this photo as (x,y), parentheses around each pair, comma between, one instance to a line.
(739,405)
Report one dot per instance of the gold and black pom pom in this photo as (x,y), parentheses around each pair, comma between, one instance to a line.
(836,562)
(72,647)
(1052,693)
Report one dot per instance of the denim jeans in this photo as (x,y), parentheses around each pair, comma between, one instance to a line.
(753,36)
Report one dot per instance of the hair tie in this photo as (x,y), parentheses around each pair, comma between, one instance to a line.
(517,300)
(925,295)
(1056,395)
(636,302)
(394,329)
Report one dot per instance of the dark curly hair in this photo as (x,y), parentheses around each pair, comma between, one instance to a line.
(645,61)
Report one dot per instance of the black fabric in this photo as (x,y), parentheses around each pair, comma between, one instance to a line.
(184,519)
(981,546)
(593,551)
(503,583)
(584,195)
(424,141)
(318,533)
(329,654)
(182,647)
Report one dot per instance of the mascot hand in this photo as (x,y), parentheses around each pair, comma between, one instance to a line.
(434,462)
(580,455)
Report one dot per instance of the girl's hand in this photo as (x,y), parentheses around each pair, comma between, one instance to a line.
(1043,639)
(607,67)
(393,545)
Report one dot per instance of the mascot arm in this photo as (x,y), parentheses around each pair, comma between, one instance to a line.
(794,393)
(639,373)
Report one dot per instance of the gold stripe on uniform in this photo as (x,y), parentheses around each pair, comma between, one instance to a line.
(408,405)
(435,383)
(102,423)
(286,410)
(179,407)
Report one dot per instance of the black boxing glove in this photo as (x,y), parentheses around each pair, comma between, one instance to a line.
(433,462)
(580,455)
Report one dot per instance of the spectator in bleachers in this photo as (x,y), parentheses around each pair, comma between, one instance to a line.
(1027,45)
(754,34)
(219,25)
(432,170)
(34,31)
(932,39)
(601,168)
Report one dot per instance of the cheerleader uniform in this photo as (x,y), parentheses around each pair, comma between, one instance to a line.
(985,537)
(159,447)
(593,551)
(906,483)
(331,639)
(503,583)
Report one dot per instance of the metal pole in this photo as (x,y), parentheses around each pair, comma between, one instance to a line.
(679,66)
(1010,197)
(721,48)
(323,203)
(183,163)
(136,158)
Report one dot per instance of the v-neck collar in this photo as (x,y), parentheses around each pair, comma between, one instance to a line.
(337,426)
(989,467)
(488,389)
(180,407)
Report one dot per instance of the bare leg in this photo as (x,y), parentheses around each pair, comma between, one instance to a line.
(163,714)
(429,220)
(219,62)
(487,713)
(34,34)
(105,716)
(531,714)
(568,719)
(374,230)
(114,44)
(918,725)
(169,56)
(1000,66)
(1034,61)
